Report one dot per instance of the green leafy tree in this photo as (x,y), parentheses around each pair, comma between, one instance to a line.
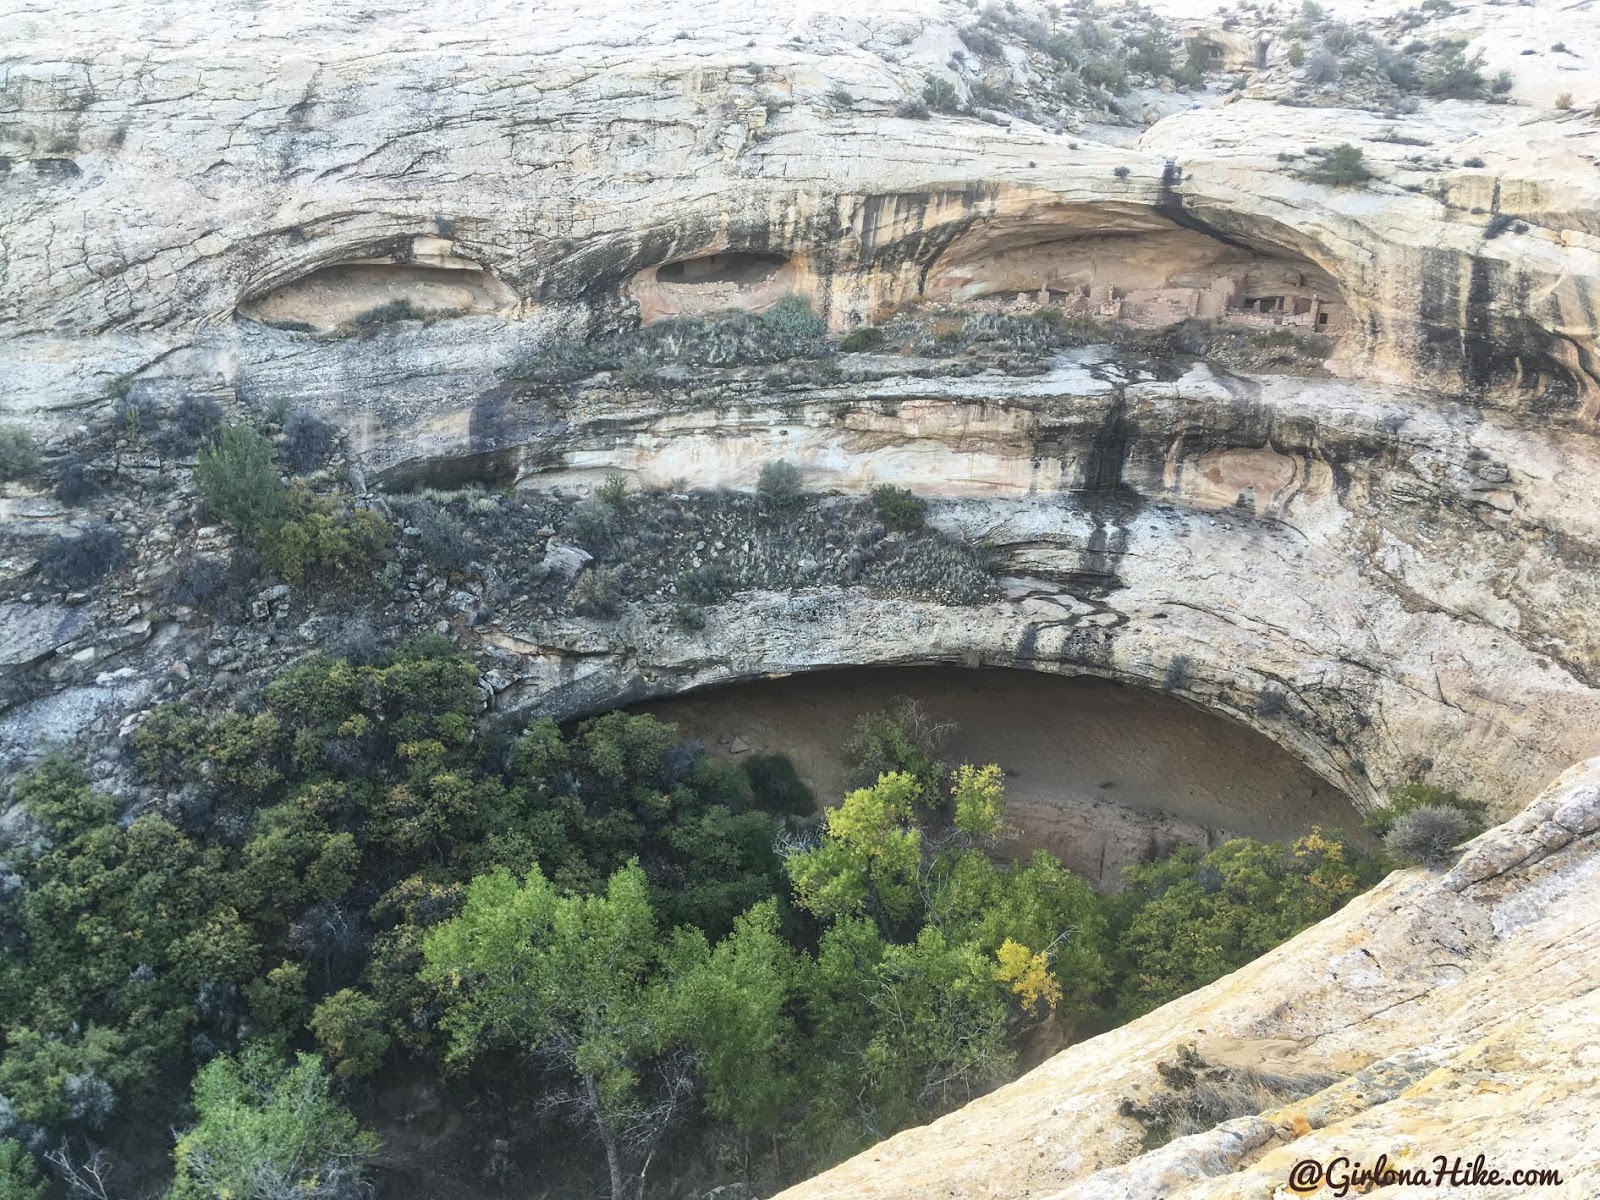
(270,1130)
(978,797)
(1193,918)
(869,858)
(578,981)
(19,1174)
(349,1027)
(899,1033)
(731,1011)
(1038,905)
(901,738)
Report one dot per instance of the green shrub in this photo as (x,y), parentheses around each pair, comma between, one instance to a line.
(239,482)
(322,545)
(19,456)
(993,95)
(780,484)
(898,508)
(613,490)
(1503,82)
(597,593)
(1121,172)
(394,310)
(1411,796)
(793,315)
(1297,54)
(1456,77)
(593,524)
(939,94)
(913,109)
(1343,167)
(864,338)
(709,584)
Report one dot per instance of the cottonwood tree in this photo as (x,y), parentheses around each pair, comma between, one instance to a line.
(270,1130)
(580,982)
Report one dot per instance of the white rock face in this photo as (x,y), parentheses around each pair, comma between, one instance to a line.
(1389,569)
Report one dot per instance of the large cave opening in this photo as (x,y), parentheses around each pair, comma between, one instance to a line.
(726,281)
(1103,775)
(360,294)
(1138,270)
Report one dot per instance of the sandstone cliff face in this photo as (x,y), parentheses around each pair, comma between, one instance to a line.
(1387,566)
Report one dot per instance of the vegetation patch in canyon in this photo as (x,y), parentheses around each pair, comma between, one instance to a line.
(348,878)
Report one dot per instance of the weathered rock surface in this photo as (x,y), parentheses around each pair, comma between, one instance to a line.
(1389,569)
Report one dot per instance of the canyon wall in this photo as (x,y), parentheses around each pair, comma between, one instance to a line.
(1383,559)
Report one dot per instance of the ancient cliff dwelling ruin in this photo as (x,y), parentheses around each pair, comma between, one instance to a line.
(876,599)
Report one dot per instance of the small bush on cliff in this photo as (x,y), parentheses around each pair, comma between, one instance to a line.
(1323,66)
(78,481)
(194,423)
(793,315)
(1195,1096)
(864,338)
(1428,834)
(19,456)
(76,561)
(322,544)
(939,94)
(307,441)
(1411,796)
(898,508)
(387,314)
(194,579)
(238,480)
(613,491)
(1344,166)
(597,593)
(442,538)
(781,485)
(1456,77)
